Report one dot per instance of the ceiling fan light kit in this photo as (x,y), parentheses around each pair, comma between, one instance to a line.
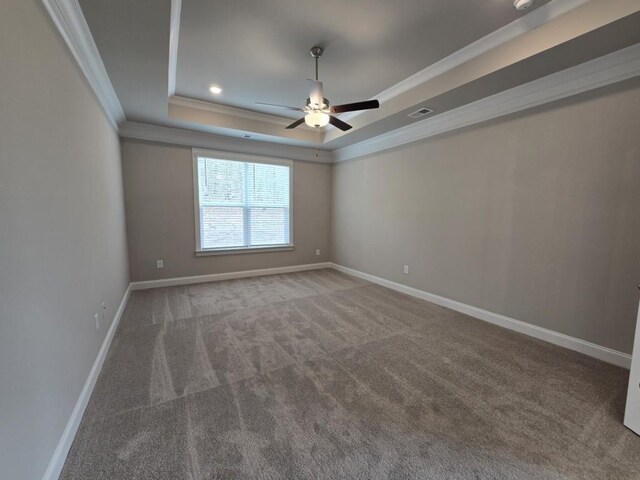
(317,110)
(316,119)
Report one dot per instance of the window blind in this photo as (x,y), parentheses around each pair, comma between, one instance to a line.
(242,204)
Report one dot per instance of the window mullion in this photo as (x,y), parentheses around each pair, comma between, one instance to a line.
(286,225)
(246,211)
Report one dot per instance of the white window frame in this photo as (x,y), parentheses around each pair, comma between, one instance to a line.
(244,158)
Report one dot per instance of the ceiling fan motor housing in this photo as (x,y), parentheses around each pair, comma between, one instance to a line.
(324,106)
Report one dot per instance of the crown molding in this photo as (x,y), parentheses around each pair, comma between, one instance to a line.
(174,36)
(234,111)
(606,70)
(192,138)
(518,27)
(68,18)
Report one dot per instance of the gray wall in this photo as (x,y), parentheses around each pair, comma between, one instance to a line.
(62,236)
(158,185)
(536,217)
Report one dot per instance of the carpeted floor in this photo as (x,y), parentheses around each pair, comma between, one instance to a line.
(318,375)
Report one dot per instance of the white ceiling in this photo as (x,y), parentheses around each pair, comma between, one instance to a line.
(258,50)
(133,41)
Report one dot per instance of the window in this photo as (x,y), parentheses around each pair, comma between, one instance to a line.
(241,202)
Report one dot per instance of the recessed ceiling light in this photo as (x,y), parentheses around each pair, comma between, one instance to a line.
(522,4)
(216,90)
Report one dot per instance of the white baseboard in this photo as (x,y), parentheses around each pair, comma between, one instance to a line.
(216,277)
(597,351)
(62,449)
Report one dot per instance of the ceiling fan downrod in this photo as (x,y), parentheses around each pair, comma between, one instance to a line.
(316,52)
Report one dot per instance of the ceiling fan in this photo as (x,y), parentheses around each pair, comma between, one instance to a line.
(318,110)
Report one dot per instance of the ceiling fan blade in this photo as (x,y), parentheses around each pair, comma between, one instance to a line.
(336,122)
(296,123)
(352,107)
(296,109)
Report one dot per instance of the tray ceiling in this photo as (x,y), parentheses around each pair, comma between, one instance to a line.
(406,53)
(259,50)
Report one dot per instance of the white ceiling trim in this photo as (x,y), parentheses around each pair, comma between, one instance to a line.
(611,68)
(192,138)
(174,36)
(68,18)
(518,27)
(234,111)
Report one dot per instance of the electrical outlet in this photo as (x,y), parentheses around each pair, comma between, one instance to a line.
(317,251)
(97,321)
(159,263)
(406,269)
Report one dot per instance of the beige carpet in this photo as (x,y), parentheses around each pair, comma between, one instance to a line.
(318,375)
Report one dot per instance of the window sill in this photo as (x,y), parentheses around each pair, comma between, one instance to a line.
(234,251)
